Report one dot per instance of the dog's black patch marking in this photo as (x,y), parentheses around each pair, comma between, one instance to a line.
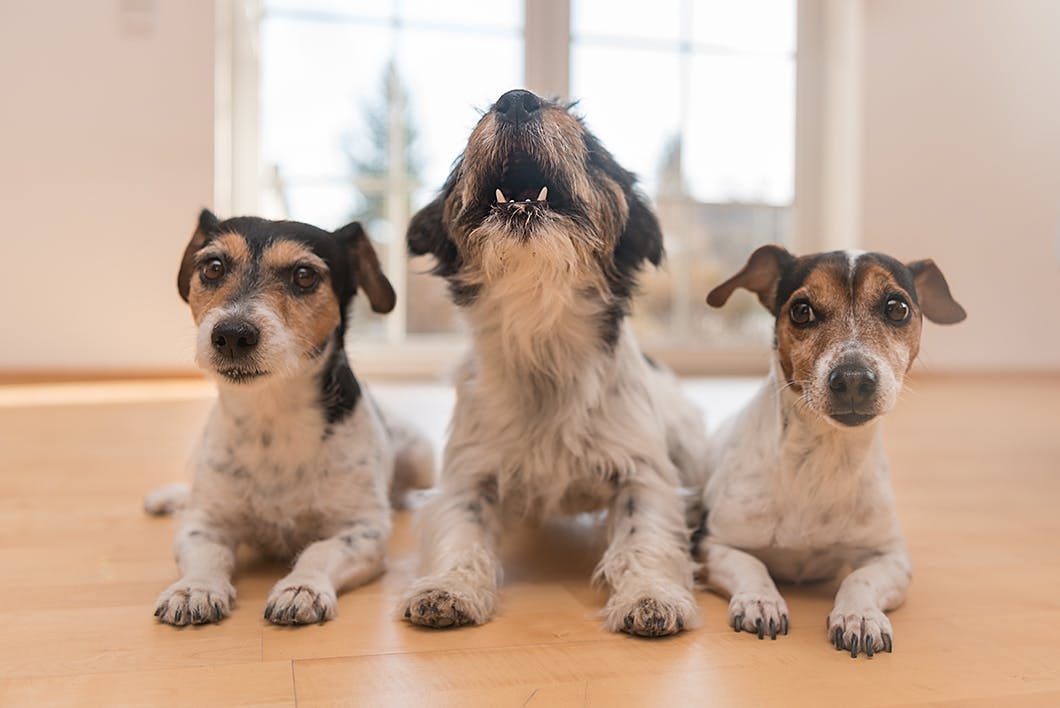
(487,491)
(339,390)
(699,533)
(475,509)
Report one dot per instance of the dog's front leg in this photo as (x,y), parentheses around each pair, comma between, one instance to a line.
(458,555)
(206,556)
(647,563)
(755,604)
(351,557)
(878,584)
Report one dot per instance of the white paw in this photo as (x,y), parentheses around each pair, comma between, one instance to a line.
(759,613)
(651,614)
(863,630)
(300,601)
(447,601)
(195,602)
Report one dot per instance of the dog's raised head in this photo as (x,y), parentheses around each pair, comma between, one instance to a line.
(268,296)
(535,191)
(847,323)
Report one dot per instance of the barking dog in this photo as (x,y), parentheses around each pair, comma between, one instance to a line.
(799,486)
(294,460)
(540,234)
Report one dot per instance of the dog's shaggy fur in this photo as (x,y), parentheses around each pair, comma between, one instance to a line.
(558,411)
(295,459)
(799,487)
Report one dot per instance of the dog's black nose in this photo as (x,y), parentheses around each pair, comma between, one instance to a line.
(517,106)
(234,338)
(853,383)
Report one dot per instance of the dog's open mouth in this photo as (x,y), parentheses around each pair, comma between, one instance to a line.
(241,375)
(523,187)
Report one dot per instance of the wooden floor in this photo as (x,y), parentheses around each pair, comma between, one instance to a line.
(976,465)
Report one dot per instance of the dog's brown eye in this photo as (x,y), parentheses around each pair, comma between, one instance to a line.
(802,313)
(896,309)
(213,269)
(305,277)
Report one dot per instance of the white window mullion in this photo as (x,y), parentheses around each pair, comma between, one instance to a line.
(546,38)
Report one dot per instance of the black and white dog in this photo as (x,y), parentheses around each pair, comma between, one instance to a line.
(295,458)
(541,234)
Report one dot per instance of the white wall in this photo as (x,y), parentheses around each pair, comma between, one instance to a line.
(106,138)
(961,163)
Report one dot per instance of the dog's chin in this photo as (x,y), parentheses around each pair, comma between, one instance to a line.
(240,376)
(852,419)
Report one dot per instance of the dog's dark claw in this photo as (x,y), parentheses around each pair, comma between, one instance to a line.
(737,622)
(680,623)
(158,610)
(629,621)
(178,614)
(772,629)
(784,624)
(217,610)
(761,628)
(837,639)
(321,614)
(408,613)
(869,648)
(854,647)
(268,610)
(196,616)
(888,645)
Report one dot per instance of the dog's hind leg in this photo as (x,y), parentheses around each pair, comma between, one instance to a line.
(166,500)
(755,604)
(413,461)
(458,554)
(206,556)
(351,557)
(647,564)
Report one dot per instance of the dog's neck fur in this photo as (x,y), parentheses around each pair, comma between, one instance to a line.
(540,324)
(300,395)
(816,459)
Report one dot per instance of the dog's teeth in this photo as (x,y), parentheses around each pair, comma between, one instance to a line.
(500,197)
(543,194)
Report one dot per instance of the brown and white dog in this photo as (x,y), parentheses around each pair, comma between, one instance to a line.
(798,488)
(295,459)
(541,234)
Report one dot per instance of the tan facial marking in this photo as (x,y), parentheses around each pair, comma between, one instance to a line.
(230,248)
(800,348)
(311,316)
(898,345)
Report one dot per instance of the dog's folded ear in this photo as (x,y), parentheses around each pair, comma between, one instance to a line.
(933,293)
(364,265)
(760,275)
(204,229)
(642,240)
(427,235)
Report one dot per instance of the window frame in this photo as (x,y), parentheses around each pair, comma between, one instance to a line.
(826,210)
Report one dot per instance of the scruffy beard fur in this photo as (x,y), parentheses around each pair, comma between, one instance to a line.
(558,411)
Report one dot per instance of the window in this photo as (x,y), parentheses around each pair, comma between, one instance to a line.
(362,106)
